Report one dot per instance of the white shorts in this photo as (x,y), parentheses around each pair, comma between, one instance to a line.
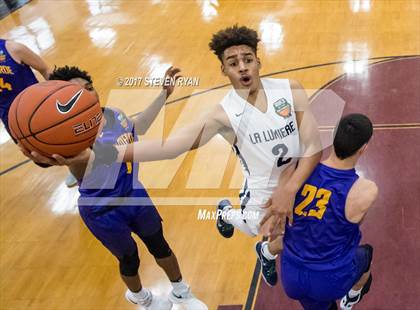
(252,217)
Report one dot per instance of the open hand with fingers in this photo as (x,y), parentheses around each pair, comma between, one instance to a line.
(55,159)
(278,208)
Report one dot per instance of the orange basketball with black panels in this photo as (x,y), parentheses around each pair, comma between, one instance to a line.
(55,117)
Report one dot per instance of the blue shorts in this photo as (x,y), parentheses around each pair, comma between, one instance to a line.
(114,226)
(314,289)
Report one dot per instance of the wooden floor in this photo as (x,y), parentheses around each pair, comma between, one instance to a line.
(48,259)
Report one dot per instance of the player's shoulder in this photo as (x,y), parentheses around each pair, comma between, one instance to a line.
(16,49)
(113,115)
(114,111)
(12,46)
(298,92)
(367,186)
(364,192)
(217,115)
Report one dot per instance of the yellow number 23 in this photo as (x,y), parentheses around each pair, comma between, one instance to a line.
(310,193)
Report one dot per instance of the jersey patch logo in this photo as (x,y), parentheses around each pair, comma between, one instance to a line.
(283,108)
(64,108)
(2,56)
(123,121)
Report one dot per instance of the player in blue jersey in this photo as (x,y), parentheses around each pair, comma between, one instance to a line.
(322,260)
(113,203)
(16,61)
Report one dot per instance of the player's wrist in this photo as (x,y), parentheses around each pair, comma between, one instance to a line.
(287,190)
(292,187)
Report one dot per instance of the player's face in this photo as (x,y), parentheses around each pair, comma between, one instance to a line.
(241,66)
(89,87)
(86,85)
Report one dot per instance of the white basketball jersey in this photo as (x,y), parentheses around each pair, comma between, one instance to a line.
(266,143)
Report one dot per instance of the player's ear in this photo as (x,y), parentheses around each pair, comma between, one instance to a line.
(222,68)
(363,149)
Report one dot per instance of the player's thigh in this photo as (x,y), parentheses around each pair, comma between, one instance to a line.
(145,220)
(322,286)
(111,230)
(295,280)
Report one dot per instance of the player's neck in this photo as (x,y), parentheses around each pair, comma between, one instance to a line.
(334,162)
(257,97)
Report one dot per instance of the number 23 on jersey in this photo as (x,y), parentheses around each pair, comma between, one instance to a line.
(310,193)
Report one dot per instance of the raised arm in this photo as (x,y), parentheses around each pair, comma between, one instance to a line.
(22,54)
(143,120)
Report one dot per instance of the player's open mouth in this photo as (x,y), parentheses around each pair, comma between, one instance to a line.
(245,80)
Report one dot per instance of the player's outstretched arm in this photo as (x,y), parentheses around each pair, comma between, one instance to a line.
(187,138)
(281,204)
(143,120)
(22,54)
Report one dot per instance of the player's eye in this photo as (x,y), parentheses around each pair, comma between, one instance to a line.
(233,64)
(249,60)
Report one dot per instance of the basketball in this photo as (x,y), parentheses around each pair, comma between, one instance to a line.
(55,117)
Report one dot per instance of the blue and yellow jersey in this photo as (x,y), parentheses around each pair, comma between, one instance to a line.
(321,238)
(117,183)
(14,78)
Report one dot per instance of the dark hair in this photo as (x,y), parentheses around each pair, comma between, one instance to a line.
(233,36)
(352,132)
(67,73)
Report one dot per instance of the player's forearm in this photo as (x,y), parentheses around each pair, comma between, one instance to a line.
(152,150)
(78,170)
(144,120)
(302,172)
(28,57)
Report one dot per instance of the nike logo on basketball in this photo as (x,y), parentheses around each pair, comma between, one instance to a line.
(66,107)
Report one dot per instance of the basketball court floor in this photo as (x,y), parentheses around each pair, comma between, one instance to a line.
(366,52)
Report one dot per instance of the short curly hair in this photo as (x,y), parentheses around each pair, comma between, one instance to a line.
(67,73)
(231,36)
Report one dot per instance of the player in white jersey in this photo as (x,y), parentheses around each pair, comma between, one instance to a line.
(268,124)
(266,142)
